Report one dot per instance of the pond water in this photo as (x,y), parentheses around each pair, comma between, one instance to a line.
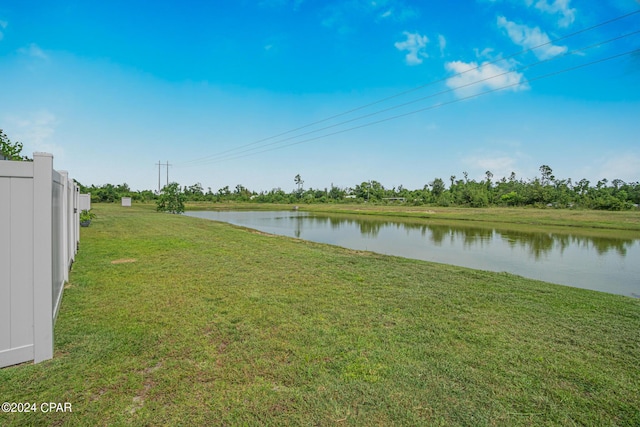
(591,262)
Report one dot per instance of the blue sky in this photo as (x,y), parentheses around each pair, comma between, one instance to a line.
(217,89)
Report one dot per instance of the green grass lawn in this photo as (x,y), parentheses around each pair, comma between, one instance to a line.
(171,320)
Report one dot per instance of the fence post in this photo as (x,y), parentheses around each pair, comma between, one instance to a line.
(42,257)
(66,222)
(76,218)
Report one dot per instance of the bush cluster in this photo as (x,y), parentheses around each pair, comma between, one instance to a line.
(543,191)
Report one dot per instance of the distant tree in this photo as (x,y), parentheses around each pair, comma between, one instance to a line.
(370,191)
(171,199)
(299,182)
(602,184)
(195,189)
(547,175)
(123,190)
(437,187)
(510,199)
(194,192)
(336,193)
(11,150)
(276,195)
(106,193)
(241,193)
(617,183)
(582,187)
(489,176)
(143,196)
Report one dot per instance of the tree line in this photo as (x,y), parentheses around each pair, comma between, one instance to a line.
(544,190)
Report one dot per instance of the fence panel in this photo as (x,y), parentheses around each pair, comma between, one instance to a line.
(84,202)
(5,265)
(21,262)
(38,242)
(16,263)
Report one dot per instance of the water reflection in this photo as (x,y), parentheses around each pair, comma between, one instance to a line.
(543,243)
(536,243)
(573,258)
(369,229)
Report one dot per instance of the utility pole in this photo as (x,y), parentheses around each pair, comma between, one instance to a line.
(159,164)
(159,167)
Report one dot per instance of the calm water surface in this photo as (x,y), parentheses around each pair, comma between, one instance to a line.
(605,264)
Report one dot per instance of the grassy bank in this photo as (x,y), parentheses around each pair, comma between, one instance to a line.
(170,320)
(578,218)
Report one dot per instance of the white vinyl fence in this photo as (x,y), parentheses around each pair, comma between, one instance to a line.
(39,234)
(84,202)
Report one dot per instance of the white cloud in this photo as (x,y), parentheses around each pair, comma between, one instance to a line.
(34,51)
(346,16)
(35,131)
(624,167)
(499,164)
(487,53)
(530,38)
(415,45)
(398,11)
(555,7)
(568,14)
(387,14)
(470,79)
(442,43)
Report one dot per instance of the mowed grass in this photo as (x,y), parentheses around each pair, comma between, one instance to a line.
(171,320)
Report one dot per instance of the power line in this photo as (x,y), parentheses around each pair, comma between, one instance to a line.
(439,105)
(417,88)
(572,52)
(210,158)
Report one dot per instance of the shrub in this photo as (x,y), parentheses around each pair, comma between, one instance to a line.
(171,199)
